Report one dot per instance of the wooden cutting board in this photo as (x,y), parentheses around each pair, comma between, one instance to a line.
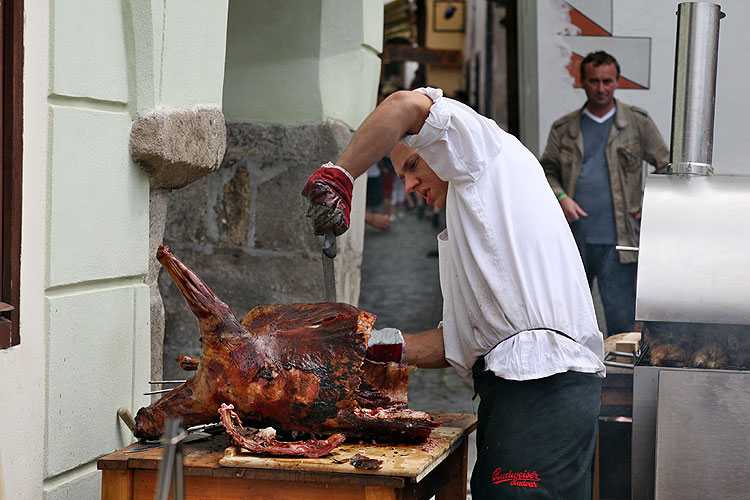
(411,461)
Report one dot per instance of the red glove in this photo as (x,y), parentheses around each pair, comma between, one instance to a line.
(328,197)
(386,345)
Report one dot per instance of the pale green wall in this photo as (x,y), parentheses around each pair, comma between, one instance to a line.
(97,237)
(176,52)
(193,53)
(302,61)
(22,394)
(91,68)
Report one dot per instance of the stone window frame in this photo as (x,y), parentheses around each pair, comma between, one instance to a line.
(11,161)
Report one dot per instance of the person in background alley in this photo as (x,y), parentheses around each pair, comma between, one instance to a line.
(398,198)
(594,162)
(517,310)
(374,197)
(378,221)
(374,215)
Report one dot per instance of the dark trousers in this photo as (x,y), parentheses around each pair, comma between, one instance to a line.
(616,285)
(536,438)
(374,197)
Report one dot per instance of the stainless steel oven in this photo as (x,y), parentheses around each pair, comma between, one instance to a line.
(691,387)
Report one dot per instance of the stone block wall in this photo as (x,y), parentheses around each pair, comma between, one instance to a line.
(242,229)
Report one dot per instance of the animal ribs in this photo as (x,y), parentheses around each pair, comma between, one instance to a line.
(300,368)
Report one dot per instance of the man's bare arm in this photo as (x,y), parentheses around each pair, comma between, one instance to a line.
(425,349)
(400,113)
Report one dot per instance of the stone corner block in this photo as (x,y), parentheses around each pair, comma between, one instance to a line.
(177,147)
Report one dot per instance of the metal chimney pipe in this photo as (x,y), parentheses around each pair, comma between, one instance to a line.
(694,96)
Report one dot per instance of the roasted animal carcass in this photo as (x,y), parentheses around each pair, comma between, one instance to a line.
(296,367)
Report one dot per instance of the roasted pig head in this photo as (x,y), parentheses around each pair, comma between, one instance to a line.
(299,368)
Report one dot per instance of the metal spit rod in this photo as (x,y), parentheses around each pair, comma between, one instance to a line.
(158,391)
(162,391)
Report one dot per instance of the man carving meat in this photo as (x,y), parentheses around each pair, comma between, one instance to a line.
(517,311)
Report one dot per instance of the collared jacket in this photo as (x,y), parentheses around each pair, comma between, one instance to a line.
(633,138)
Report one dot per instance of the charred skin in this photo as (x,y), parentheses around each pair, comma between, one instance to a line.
(386,425)
(180,401)
(289,374)
(296,367)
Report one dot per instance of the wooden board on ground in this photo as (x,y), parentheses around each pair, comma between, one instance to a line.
(410,461)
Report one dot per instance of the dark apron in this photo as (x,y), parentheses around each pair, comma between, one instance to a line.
(535,438)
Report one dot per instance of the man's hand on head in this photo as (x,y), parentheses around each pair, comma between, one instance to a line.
(328,198)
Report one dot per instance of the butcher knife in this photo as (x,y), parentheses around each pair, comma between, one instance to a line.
(329,279)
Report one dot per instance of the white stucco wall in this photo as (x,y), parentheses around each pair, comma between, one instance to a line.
(177,50)
(732,105)
(306,63)
(192,59)
(657,20)
(90,68)
(96,304)
(351,37)
(22,408)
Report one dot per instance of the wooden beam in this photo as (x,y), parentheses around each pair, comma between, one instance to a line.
(431,57)
(209,488)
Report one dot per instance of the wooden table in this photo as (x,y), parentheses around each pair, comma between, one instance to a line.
(214,471)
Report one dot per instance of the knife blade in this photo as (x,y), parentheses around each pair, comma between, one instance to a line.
(328,254)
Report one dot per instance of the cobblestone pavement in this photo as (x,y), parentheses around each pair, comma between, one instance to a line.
(400,285)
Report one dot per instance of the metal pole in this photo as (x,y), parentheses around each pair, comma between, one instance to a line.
(170,468)
(178,477)
(696,57)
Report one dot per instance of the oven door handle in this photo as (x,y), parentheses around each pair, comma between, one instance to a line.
(609,354)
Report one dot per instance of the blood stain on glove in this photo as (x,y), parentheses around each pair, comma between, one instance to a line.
(385,352)
(329,191)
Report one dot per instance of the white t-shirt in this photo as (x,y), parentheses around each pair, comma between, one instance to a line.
(509,266)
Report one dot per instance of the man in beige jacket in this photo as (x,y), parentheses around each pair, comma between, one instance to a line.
(594,163)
